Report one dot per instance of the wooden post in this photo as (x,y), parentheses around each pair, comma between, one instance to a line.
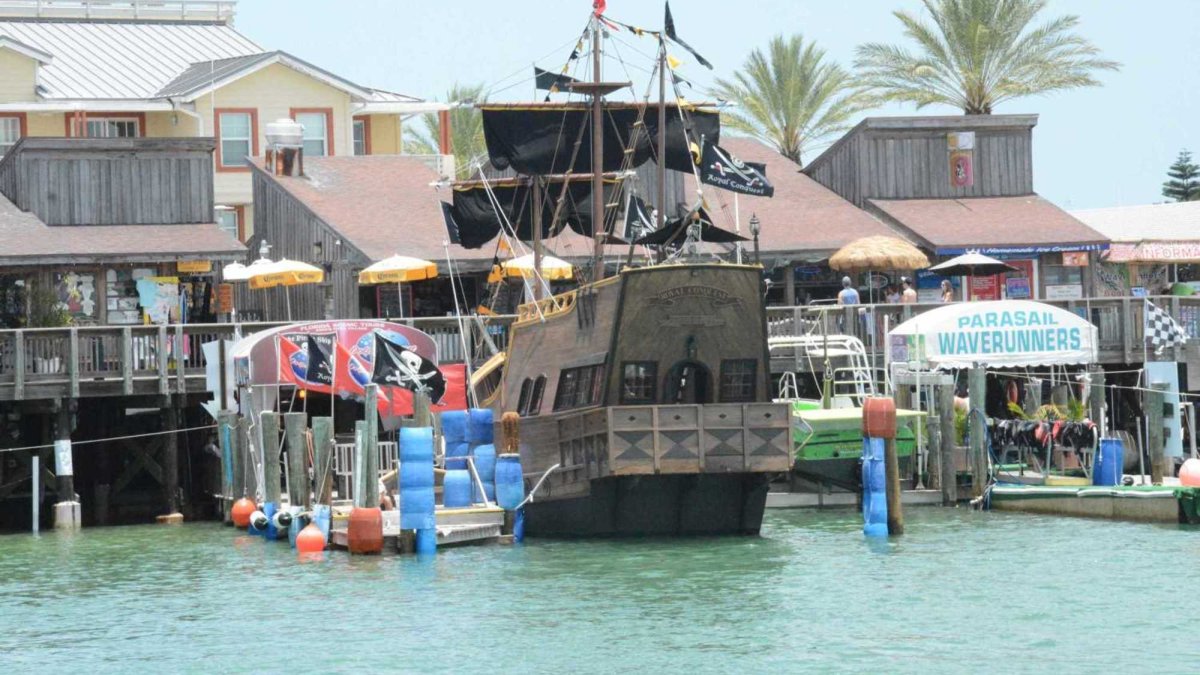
(422,416)
(62,432)
(1096,399)
(362,488)
(1155,398)
(268,424)
(322,459)
(294,426)
(949,441)
(977,388)
(895,509)
(227,441)
(34,475)
(171,456)
(789,286)
(371,430)
(510,433)
(164,358)
(73,361)
(19,365)
(242,485)
(127,361)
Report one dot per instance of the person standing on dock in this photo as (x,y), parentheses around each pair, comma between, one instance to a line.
(848,295)
(909,296)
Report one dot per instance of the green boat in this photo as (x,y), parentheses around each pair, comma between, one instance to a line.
(827,435)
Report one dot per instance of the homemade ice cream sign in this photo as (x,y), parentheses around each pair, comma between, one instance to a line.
(1004,333)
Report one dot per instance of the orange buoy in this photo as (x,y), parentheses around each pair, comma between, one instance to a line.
(310,540)
(1189,473)
(241,510)
(364,532)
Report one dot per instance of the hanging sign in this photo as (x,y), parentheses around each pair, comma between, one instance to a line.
(194,266)
(1075,258)
(224,298)
(961,172)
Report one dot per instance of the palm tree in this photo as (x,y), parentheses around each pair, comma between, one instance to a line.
(791,97)
(978,53)
(466,130)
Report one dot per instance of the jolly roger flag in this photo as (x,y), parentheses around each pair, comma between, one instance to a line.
(721,169)
(319,349)
(669,27)
(638,221)
(398,366)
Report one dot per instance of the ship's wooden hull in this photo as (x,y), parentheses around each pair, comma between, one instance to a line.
(655,505)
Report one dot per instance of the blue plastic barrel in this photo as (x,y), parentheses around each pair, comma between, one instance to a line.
(1110,462)
(456,454)
(480,425)
(874,486)
(416,478)
(510,483)
(456,489)
(454,425)
(485,466)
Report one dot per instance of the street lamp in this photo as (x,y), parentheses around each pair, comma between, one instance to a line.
(755,228)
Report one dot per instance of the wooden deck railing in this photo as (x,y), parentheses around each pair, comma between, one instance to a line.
(40,363)
(1118,322)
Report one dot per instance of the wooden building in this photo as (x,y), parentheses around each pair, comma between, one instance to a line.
(952,184)
(346,213)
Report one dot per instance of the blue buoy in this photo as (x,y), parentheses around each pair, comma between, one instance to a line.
(454,425)
(485,466)
(269,509)
(321,518)
(519,526)
(456,490)
(510,482)
(874,486)
(480,425)
(426,541)
(456,454)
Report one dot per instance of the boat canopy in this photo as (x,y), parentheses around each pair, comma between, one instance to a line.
(1000,333)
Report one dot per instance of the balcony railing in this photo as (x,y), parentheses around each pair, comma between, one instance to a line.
(135,10)
(40,363)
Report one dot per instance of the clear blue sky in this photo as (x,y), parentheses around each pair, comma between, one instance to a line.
(1092,147)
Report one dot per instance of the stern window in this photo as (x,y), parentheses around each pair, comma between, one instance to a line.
(737,380)
(638,381)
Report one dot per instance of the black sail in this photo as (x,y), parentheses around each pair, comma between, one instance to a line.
(475,214)
(540,139)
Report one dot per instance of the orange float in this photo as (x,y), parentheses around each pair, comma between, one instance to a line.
(312,540)
(241,510)
(1189,473)
(364,532)
(879,417)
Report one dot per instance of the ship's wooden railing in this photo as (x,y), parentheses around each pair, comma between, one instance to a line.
(1118,322)
(125,360)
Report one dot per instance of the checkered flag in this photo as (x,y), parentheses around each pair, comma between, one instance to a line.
(1161,329)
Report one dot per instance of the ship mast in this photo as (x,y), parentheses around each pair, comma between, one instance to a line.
(662,132)
(597,157)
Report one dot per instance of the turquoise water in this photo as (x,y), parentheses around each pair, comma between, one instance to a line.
(962,592)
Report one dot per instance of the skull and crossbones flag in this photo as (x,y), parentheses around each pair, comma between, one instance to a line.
(319,349)
(397,366)
(719,168)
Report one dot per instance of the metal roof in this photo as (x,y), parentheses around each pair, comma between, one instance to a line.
(104,60)
(1146,222)
(201,78)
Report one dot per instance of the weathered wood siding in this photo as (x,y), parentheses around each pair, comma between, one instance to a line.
(111,181)
(292,230)
(910,159)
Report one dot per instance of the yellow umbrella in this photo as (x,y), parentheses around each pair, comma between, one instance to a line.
(285,273)
(398,269)
(553,269)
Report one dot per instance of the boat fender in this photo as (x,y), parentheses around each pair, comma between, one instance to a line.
(283,520)
(258,521)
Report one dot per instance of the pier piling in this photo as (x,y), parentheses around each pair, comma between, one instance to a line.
(297,464)
(170,481)
(66,509)
(977,392)
(1155,398)
(947,441)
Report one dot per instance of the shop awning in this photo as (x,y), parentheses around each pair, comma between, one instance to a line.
(1003,333)
(993,226)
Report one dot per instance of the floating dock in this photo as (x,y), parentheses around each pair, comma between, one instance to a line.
(472,525)
(1140,503)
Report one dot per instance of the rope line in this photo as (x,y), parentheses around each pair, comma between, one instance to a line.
(114,438)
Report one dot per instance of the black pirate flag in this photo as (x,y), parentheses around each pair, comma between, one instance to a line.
(398,366)
(319,348)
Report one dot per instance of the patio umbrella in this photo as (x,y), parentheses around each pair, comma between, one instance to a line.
(878,253)
(285,273)
(972,264)
(553,269)
(397,269)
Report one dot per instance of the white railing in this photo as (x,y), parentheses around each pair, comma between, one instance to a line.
(139,10)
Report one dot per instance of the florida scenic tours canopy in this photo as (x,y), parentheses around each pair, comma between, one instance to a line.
(999,333)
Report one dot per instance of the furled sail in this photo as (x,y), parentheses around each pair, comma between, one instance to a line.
(674,232)
(479,221)
(539,139)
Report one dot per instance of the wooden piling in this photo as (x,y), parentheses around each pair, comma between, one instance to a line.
(895,509)
(294,426)
(510,433)
(227,441)
(171,456)
(1096,399)
(243,483)
(323,459)
(371,440)
(1155,398)
(948,443)
(268,424)
(977,389)
(362,487)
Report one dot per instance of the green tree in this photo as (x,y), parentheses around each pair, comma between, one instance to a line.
(978,53)
(466,130)
(791,97)
(1183,184)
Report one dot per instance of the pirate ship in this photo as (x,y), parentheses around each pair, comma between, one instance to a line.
(643,397)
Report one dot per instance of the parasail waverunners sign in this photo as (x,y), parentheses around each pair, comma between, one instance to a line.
(1000,333)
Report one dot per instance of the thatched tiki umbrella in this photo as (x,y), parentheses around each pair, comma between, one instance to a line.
(878,253)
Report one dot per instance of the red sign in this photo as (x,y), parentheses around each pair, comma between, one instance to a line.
(961,173)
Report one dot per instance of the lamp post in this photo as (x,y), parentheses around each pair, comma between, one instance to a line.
(755,228)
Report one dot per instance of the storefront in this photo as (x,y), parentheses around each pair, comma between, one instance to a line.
(1042,273)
